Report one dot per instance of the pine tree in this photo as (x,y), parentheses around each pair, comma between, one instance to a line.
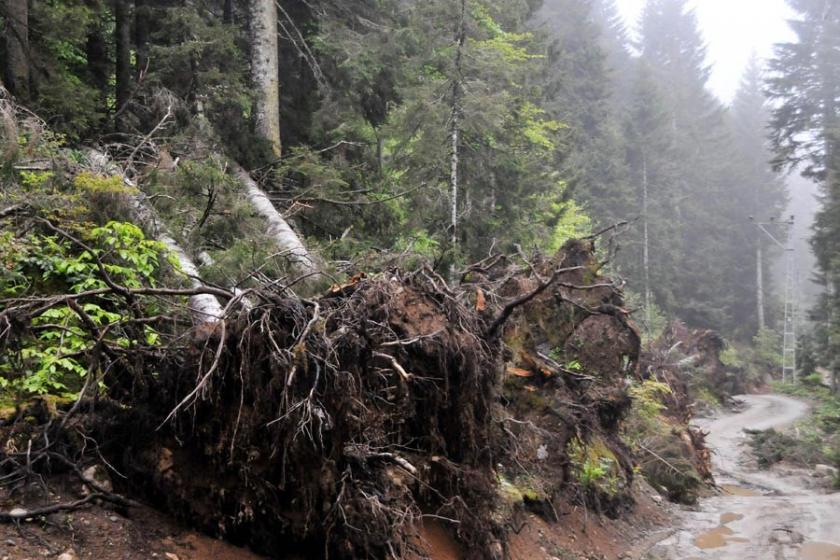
(805,82)
(757,190)
(653,248)
(673,47)
(580,90)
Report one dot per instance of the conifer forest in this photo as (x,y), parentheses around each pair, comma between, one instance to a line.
(438,279)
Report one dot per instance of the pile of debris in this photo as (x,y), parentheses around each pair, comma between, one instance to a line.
(678,461)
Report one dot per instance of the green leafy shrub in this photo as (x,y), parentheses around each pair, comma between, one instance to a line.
(644,419)
(730,357)
(50,356)
(596,467)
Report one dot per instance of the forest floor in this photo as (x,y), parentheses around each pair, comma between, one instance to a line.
(784,513)
(104,533)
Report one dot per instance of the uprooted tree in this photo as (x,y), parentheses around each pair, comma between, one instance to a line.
(334,424)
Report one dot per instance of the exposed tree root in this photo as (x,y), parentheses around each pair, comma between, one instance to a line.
(333,426)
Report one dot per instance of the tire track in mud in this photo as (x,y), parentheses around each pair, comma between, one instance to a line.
(759,515)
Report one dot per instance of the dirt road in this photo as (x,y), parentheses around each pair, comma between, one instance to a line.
(762,515)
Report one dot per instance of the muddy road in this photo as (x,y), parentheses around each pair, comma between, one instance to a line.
(761,515)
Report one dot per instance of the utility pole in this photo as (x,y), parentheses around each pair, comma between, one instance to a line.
(791,292)
(759,282)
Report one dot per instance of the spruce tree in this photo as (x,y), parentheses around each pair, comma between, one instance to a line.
(805,83)
(760,192)
(673,47)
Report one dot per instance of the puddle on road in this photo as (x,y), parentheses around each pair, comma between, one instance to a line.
(716,538)
(733,490)
(819,551)
(730,517)
(720,536)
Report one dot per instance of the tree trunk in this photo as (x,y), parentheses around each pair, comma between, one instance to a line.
(646,246)
(122,32)
(142,21)
(16,35)
(279,229)
(98,63)
(455,132)
(204,308)
(227,12)
(265,70)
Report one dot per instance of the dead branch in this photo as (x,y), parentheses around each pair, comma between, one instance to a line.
(18,514)
(607,229)
(14,209)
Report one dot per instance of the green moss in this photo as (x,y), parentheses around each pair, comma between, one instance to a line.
(596,466)
(520,490)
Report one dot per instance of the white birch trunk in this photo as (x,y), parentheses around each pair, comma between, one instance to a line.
(454,136)
(646,247)
(204,308)
(265,70)
(279,229)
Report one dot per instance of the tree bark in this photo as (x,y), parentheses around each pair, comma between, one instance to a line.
(142,21)
(204,308)
(16,36)
(265,70)
(227,12)
(455,130)
(646,247)
(122,32)
(279,229)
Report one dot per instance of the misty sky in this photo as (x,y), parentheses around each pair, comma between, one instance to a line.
(733,29)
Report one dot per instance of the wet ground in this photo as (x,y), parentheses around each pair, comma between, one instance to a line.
(759,515)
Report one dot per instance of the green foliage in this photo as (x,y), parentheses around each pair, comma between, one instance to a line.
(596,467)
(72,105)
(644,420)
(805,133)
(51,355)
(653,320)
(730,357)
(817,439)
(767,355)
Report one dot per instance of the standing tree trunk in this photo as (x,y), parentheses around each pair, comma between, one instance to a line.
(16,36)
(142,21)
(265,70)
(98,63)
(646,246)
(455,131)
(122,32)
(227,12)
